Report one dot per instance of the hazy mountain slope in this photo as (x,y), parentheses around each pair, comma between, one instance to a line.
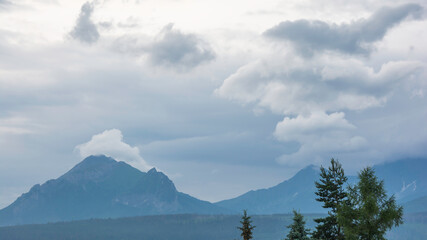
(100,187)
(406,179)
(416,205)
(295,193)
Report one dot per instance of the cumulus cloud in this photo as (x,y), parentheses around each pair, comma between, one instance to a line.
(318,123)
(325,84)
(174,48)
(319,134)
(110,143)
(321,148)
(85,30)
(355,37)
(312,95)
(170,48)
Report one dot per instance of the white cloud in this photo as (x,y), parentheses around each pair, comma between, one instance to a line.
(318,123)
(325,83)
(312,95)
(320,148)
(319,134)
(110,143)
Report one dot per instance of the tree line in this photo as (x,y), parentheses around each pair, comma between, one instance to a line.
(362,211)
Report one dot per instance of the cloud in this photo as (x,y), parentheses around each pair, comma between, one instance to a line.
(170,48)
(355,37)
(85,30)
(177,49)
(4,3)
(326,83)
(319,134)
(57,84)
(17,126)
(110,143)
(312,95)
(318,123)
(13,130)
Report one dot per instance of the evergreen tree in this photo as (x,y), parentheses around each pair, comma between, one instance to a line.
(331,193)
(297,228)
(369,212)
(246,227)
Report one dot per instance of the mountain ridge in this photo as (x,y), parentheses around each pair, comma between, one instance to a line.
(100,187)
(405,179)
(296,192)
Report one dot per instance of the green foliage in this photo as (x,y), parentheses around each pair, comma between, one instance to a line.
(331,193)
(369,212)
(297,228)
(246,227)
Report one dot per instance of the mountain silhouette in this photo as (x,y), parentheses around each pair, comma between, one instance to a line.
(405,179)
(295,193)
(101,187)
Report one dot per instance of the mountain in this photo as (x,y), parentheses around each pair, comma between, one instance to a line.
(295,193)
(100,187)
(406,179)
(416,205)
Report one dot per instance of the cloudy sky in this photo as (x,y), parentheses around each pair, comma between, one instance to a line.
(222,96)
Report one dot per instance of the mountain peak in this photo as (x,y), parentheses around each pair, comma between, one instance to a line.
(310,170)
(97,160)
(100,187)
(311,167)
(91,168)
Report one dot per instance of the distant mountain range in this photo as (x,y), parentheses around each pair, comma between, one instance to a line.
(406,179)
(295,193)
(100,187)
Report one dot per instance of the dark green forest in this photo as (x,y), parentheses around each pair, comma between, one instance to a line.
(187,227)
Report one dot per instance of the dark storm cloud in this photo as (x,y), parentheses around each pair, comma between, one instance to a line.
(85,30)
(174,48)
(355,37)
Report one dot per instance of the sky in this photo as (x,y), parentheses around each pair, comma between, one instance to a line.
(222,96)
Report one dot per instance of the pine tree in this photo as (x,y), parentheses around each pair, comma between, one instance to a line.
(246,227)
(369,212)
(331,193)
(297,228)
